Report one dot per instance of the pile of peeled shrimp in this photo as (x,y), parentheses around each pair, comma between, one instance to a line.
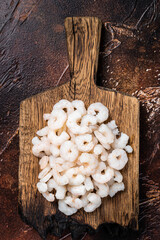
(81,155)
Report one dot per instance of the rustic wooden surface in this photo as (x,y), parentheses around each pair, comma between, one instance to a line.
(34,58)
(83,39)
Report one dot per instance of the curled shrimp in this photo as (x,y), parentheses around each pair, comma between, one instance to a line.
(89,163)
(116,187)
(101,177)
(73,202)
(94,202)
(60,179)
(102,114)
(63,207)
(69,151)
(117,159)
(103,189)
(79,106)
(60,190)
(89,121)
(64,105)
(84,142)
(75,178)
(121,142)
(104,135)
(57,140)
(72,123)
(40,146)
(57,119)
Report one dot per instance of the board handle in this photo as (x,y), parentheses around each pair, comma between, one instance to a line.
(83,41)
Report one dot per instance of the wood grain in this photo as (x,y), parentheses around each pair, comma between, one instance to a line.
(83,39)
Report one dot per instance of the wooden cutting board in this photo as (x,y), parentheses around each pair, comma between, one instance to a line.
(83,40)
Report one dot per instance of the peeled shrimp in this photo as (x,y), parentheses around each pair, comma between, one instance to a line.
(60,190)
(103,178)
(51,185)
(69,151)
(84,142)
(94,202)
(64,105)
(73,202)
(117,159)
(57,140)
(60,179)
(57,119)
(121,142)
(103,189)
(72,123)
(101,109)
(74,177)
(60,164)
(108,136)
(79,106)
(37,149)
(89,121)
(63,207)
(116,187)
(102,139)
(40,146)
(89,163)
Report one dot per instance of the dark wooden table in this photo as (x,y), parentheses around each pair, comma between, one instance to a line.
(33,58)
